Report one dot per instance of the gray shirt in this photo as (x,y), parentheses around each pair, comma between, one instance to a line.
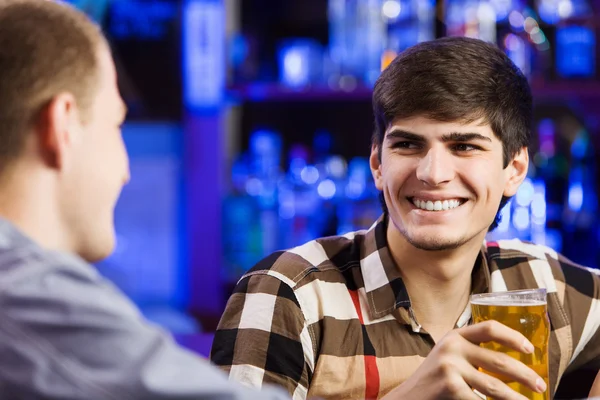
(68,333)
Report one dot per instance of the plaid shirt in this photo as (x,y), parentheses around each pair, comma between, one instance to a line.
(332,318)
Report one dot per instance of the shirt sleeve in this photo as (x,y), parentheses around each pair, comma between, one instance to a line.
(259,339)
(582,304)
(67,333)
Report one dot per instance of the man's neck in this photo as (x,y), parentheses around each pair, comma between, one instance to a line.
(27,201)
(438,282)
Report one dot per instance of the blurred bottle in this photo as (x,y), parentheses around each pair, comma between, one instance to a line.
(265,148)
(520,51)
(580,211)
(372,34)
(408,23)
(298,200)
(521,37)
(330,188)
(554,11)
(521,210)
(511,24)
(360,207)
(552,168)
(343,25)
(471,18)
(575,51)
(322,147)
(300,62)
(250,210)
(539,234)
(537,27)
(242,242)
(356,39)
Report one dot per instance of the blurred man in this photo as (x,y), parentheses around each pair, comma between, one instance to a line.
(65,332)
(386,311)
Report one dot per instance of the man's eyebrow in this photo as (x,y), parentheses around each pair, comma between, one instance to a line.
(464,137)
(397,133)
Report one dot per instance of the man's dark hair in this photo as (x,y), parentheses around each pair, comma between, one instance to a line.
(457,79)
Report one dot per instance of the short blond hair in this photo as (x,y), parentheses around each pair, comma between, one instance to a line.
(46,48)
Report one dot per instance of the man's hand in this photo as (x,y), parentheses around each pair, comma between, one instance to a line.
(451,369)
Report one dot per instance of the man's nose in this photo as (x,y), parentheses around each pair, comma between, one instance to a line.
(436,167)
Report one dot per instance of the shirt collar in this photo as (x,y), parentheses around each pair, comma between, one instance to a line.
(384,287)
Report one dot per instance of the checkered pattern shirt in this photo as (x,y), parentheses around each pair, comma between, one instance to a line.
(332,318)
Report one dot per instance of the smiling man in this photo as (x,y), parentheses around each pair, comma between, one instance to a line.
(385,312)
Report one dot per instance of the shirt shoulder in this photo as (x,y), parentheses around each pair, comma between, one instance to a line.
(312,260)
(25,265)
(70,333)
(549,267)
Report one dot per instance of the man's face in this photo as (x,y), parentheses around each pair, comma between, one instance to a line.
(443,181)
(99,167)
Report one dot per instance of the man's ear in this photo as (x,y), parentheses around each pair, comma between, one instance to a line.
(55,128)
(375,164)
(516,171)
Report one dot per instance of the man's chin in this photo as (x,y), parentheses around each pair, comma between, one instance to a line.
(99,250)
(435,244)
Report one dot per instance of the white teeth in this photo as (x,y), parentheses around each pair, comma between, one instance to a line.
(437,205)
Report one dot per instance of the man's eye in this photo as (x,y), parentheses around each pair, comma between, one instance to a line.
(464,147)
(405,145)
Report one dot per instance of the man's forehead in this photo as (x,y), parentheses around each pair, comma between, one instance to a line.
(430,127)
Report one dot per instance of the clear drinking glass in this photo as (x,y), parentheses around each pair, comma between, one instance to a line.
(524,311)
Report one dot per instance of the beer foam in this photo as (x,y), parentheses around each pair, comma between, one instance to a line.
(507,302)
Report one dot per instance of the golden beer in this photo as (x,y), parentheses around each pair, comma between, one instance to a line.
(524,311)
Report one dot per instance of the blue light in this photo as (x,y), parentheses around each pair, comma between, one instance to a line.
(504,224)
(547,10)
(94,8)
(309,174)
(518,52)
(296,166)
(254,187)
(516,20)
(287,211)
(326,189)
(513,43)
(239,50)
(299,62)
(287,207)
(538,204)
(546,132)
(264,142)
(525,193)
(391,9)
(336,166)
(580,145)
(575,51)
(521,218)
(575,196)
(139,20)
(554,239)
(295,73)
(203,53)
(355,189)
(502,8)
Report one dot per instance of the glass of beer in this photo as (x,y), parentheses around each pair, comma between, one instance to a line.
(524,311)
